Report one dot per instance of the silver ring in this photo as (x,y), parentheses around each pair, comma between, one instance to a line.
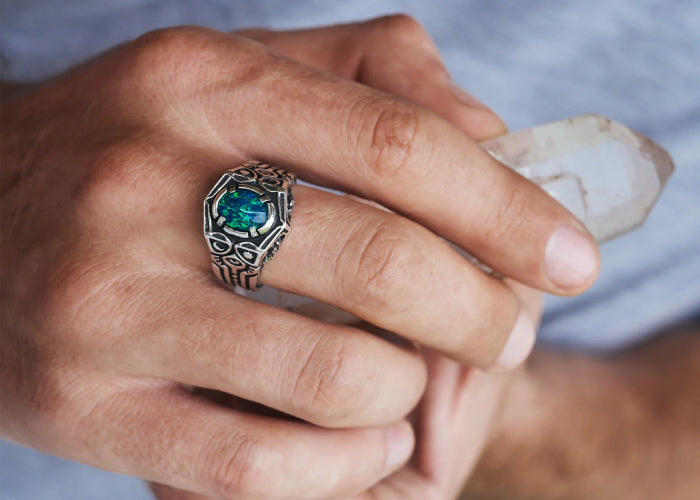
(246,217)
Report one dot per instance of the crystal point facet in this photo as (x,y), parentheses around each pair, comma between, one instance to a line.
(606,174)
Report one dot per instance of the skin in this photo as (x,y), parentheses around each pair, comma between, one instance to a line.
(624,426)
(514,417)
(446,448)
(110,312)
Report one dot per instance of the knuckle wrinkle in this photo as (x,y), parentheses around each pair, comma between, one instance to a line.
(393,138)
(239,472)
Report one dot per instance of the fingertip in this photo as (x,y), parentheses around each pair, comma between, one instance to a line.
(400,441)
(519,344)
(476,119)
(465,97)
(572,260)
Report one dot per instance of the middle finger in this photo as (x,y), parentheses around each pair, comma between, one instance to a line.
(396,274)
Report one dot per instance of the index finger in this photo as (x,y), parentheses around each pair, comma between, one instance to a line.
(344,135)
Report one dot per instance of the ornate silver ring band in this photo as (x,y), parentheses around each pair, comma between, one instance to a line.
(246,217)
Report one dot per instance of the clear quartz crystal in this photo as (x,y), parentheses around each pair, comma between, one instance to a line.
(606,174)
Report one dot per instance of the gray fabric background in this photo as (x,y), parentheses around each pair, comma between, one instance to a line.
(533,62)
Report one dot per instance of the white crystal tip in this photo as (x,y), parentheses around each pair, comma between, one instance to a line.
(659,156)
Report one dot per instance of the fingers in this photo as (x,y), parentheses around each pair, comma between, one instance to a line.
(394,54)
(344,135)
(395,274)
(172,438)
(200,334)
(421,166)
(454,420)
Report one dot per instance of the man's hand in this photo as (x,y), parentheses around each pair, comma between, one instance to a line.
(453,423)
(109,306)
(454,417)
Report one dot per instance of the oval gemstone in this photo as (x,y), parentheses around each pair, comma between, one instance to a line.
(242,210)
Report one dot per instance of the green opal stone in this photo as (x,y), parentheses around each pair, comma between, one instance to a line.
(242,210)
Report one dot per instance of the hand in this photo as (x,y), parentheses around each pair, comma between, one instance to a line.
(453,420)
(453,424)
(108,303)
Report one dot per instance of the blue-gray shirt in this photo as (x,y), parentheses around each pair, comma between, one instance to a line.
(532,62)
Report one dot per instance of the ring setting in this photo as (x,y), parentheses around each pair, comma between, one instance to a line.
(246,216)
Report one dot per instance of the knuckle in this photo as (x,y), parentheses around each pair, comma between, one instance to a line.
(481,343)
(125,176)
(390,137)
(73,299)
(47,400)
(166,59)
(65,294)
(113,169)
(407,34)
(333,381)
(383,261)
(400,25)
(57,404)
(152,55)
(81,305)
(171,39)
(239,470)
(170,45)
(506,215)
(470,345)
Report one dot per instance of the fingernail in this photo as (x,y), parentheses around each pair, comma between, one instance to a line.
(465,97)
(520,343)
(399,444)
(570,258)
